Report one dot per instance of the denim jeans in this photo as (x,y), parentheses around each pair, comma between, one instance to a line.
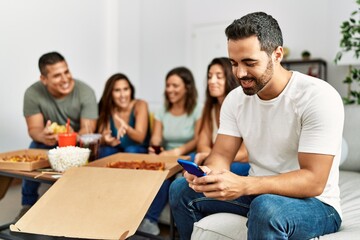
(106,150)
(29,189)
(269,216)
(159,202)
(162,198)
(240,168)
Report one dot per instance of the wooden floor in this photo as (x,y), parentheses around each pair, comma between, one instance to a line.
(10,205)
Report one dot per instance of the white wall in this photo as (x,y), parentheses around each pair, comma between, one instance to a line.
(143,39)
(306,25)
(163,47)
(77,29)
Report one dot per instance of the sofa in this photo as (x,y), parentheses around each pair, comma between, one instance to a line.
(226,226)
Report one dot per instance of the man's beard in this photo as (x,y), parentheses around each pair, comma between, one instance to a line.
(260,82)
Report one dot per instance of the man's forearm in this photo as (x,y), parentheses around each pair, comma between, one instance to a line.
(36,135)
(299,183)
(217,162)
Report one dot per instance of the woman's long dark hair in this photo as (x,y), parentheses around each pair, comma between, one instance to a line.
(230,84)
(191,91)
(106,104)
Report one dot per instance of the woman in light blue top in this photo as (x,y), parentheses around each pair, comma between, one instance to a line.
(176,129)
(176,125)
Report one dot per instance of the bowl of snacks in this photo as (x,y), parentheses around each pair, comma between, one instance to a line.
(56,128)
(63,158)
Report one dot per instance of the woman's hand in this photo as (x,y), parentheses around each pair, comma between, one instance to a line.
(172,152)
(200,158)
(109,139)
(153,151)
(123,126)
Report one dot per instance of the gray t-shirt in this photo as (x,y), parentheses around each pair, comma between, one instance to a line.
(80,103)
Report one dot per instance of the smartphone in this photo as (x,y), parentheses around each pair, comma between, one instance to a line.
(191,167)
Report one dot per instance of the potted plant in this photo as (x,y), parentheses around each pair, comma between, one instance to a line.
(350,44)
(305,55)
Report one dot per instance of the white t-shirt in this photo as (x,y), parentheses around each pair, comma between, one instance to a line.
(308,116)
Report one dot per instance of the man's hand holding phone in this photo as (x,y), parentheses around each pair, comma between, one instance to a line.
(191,168)
(193,171)
(212,183)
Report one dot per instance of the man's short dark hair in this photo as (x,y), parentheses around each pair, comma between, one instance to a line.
(49,59)
(258,24)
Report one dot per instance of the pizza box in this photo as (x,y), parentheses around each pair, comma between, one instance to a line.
(92,203)
(170,161)
(24,166)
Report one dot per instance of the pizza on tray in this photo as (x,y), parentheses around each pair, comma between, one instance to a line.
(24,158)
(137,165)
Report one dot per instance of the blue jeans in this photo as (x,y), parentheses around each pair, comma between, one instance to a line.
(106,150)
(29,189)
(162,198)
(239,168)
(269,216)
(159,202)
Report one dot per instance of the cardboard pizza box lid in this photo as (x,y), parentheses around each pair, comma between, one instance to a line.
(93,203)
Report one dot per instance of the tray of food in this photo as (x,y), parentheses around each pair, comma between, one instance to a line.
(137,161)
(24,160)
(142,165)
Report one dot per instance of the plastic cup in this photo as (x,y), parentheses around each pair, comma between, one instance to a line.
(157,149)
(67,139)
(92,142)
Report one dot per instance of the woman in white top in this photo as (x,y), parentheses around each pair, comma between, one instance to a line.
(220,81)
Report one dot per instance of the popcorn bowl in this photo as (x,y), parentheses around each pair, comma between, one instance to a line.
(62,158)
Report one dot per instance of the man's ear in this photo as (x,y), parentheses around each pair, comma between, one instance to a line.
(43,79)
(278,54)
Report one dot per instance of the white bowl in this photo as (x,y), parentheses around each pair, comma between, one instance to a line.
(62,158)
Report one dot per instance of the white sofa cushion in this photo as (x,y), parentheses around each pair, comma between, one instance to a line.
(230,226)
(220,226)
(344,151)
(351,133)
(350,205)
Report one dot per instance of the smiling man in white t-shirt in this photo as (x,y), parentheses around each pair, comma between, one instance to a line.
(292,126)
